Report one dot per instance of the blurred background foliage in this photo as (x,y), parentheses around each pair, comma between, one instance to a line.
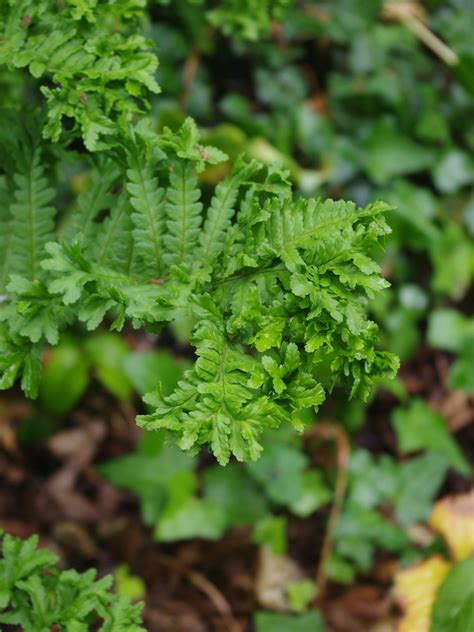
(348,96)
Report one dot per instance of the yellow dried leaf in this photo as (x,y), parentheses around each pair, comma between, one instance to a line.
(415,589)
(453,518)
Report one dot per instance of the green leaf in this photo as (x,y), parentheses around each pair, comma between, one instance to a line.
(65,377)
(272,622)
(150,474)
(461,374)
(391,154)
(233,490)
(454,606)
(107,353)
(281,472)
(149,215)
(127,584)
(419,481)
(186,516)
(418,427)
(221,210)
(300,594)
(32,223)
(146,369)
(185,143)
(452,257)
(448,329)
(184,213)
(270,531)
(36,595)
(360,531)
(453,171)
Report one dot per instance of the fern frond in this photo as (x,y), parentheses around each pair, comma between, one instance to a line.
(100,72)
(184,215)
(215,404)
(221,210)
(5,233)
(148,218)
(96,197)
(114,246)
(305,224)
(32,217)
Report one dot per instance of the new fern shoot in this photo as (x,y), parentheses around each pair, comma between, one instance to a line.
(276,287)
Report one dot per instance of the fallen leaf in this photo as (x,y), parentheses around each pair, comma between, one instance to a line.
(78,445)
(361,606)
(415,590)
(273,575)
(453,518)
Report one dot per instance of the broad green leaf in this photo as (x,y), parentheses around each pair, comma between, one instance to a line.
(192,518)
(390,153)
(448,328)
(147,369)
(419,480)
(64,378)
(454,606)
(233,490)
(419,427)
(107,354)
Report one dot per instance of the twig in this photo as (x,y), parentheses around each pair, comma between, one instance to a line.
(190,69)
(331,432)
(409,12)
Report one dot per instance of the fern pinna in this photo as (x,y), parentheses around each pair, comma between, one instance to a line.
(277,288)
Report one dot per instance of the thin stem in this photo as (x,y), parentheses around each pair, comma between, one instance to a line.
(407,12)
(331,432)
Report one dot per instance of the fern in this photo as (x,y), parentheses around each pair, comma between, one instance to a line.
(5,235)
(114,240)
(241,19)
(96,197)
(99,69)
(149,215)
(36,595)
(184,213)
(277,289)
(221,210)
(32,219)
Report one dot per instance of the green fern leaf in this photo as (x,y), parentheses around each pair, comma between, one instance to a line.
(81,226)
(184,216)
(148,217)
(32,224)
(221,210)
(5,233)
(114,246)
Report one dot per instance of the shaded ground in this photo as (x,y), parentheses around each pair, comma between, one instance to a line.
(50,487)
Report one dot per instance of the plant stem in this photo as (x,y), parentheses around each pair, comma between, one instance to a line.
(330,431)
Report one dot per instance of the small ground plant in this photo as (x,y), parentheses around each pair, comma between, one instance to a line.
(185,247)
(36,595)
